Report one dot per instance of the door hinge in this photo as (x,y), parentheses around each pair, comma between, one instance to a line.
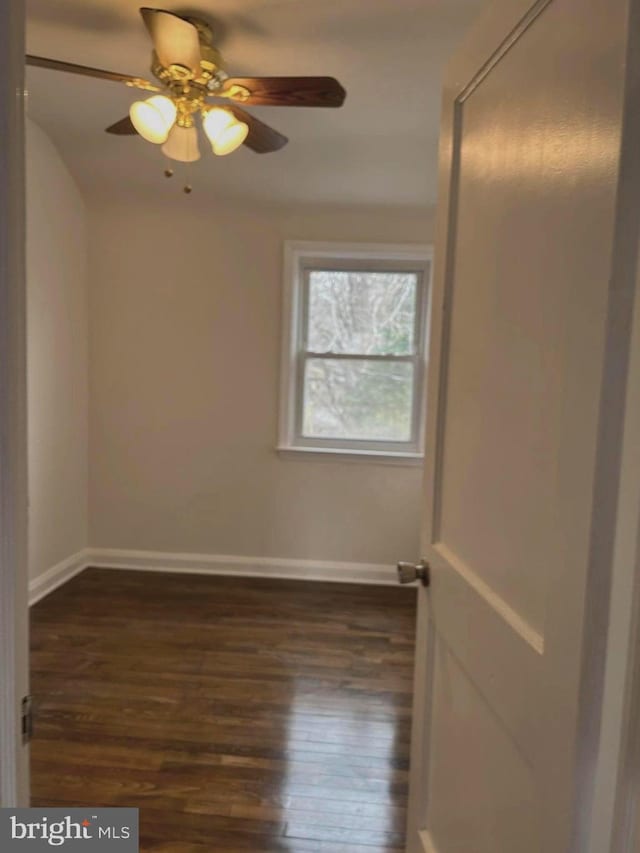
(27,719)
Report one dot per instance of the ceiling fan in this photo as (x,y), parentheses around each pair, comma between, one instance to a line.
(192,82)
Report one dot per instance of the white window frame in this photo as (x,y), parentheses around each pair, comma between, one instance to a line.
(299,259)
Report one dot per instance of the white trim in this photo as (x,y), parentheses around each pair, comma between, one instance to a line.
(240,566)
(57,575)
(615,821)
(337,454)
(295,255)
(361,251)
(372,574)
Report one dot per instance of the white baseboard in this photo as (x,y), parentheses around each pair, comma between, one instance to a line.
(57,575)
(269,567)
(376,574)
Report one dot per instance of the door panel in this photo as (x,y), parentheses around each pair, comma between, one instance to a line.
(519,456)
(514,295)
(500,776)
(502,653)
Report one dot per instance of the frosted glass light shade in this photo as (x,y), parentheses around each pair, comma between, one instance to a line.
(215,121)
(224,131)
(153,118)
(182,144)
(231,139)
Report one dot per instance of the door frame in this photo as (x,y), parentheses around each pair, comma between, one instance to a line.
(14,784)
(14,781)
(618,774)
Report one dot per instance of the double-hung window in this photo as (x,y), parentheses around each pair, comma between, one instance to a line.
(353,363)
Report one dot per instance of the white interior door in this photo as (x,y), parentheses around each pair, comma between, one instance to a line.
(14,767)
(534,284)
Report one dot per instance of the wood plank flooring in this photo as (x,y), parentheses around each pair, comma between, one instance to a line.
(237,714)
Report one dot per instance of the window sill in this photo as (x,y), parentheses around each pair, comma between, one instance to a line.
(336,454)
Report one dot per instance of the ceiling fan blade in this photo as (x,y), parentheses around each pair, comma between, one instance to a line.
(71,68)
(124,127)
(285,91)
(261,138)
(174,39)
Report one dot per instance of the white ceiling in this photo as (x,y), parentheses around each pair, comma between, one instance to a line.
(379,148)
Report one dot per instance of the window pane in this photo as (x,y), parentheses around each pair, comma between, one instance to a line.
(364,313)
(357,399)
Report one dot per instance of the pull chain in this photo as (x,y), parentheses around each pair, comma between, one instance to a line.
(183,170)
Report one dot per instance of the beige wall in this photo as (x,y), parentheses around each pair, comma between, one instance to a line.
(184,360)
(56,358)
(185,344)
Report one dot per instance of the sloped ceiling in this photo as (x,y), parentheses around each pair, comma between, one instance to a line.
(379,149)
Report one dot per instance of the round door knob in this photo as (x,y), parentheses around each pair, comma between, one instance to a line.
(412,572)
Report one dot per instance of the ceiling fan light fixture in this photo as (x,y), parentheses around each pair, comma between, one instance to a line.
(153,118)
(231,139)
(215,121)
(224,131)
(182,144)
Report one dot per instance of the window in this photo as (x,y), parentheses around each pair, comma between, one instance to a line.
(354,349)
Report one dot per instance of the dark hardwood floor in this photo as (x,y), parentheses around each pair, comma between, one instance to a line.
(237,714)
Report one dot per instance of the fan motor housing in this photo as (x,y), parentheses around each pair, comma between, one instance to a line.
(211,61)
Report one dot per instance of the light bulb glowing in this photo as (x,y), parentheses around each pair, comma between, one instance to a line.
(166,107)
(216,121)
(182,144)
(223,130)
(232,138)
(153,118)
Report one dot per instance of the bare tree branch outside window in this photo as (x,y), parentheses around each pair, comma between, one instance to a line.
(365,315)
